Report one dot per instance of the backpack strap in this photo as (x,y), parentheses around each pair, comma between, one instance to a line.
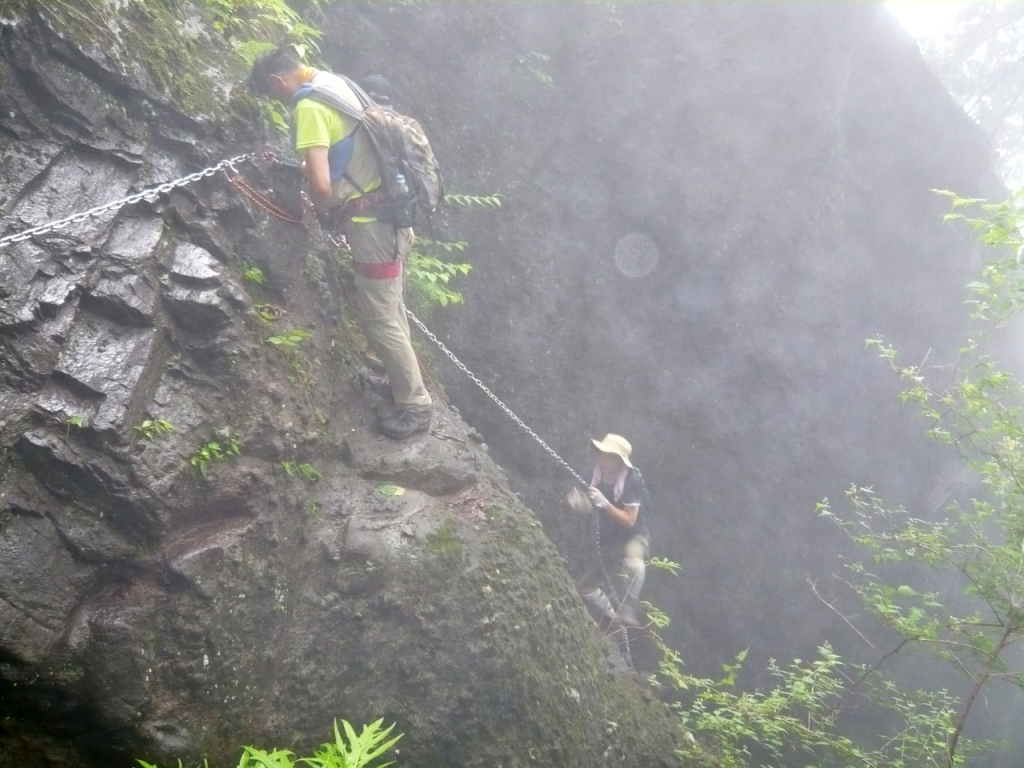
(364,98)
(330,98)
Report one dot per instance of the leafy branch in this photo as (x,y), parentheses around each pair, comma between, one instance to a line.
(468,201)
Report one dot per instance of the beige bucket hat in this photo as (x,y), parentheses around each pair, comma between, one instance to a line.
(616,444)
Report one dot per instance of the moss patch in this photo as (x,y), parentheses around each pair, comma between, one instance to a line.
(446,545)
(170,41)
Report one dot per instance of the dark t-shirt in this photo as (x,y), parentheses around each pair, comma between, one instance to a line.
(613,533)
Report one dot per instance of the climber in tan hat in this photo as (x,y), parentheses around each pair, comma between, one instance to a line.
(617,493)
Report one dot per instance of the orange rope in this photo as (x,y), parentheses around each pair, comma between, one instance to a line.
(261,201)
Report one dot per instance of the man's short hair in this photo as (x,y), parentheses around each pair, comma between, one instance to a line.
(276,62)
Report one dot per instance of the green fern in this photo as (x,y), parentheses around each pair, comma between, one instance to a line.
(348,750)
(352,750)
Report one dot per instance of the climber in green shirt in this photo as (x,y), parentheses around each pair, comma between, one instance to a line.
(343,176)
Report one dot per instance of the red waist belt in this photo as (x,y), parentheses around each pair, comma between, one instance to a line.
(376,271)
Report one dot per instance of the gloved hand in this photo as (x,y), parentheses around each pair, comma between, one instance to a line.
(597,498)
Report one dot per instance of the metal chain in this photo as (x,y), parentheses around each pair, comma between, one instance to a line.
(597,536)
(617,602)
(494,397)
(149,195)
(338,241)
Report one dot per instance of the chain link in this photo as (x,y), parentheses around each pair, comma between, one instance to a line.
(486,391)
(149,195)
(617,601)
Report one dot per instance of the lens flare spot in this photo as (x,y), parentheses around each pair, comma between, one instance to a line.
(636,255)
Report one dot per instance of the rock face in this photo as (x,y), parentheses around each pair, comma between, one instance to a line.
(709,207)
(164,595)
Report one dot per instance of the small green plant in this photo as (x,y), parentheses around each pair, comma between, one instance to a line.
(290,338)
(153,428)
(252,273)
(213,451)
(303,471)
(665,565)
(797,718)
(313,509)
(72,421)
(351,750)
(255,26)
(389,489)
(534,63)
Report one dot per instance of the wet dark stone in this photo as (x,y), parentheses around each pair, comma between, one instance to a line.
(128,299)
(99,514)
(134,240)
(196,309)
(109,360)
(194,265)
(74,182)
(39,580)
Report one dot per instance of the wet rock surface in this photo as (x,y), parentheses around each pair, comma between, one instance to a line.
(162,598)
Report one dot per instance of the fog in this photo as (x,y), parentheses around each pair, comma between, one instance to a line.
(710,208)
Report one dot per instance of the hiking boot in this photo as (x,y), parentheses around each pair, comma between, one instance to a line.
(402,423)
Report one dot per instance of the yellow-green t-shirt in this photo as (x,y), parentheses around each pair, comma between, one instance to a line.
(317,125)
(320,125)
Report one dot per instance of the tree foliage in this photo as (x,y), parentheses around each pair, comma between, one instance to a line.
(981,62)
(980,542)
(975,544)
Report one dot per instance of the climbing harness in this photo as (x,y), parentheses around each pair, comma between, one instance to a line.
(149,195)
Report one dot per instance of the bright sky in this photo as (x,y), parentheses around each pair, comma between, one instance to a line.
(924,18)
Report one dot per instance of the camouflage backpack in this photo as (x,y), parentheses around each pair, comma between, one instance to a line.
(402,150)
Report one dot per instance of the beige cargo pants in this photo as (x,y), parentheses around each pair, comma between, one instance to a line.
(382,310)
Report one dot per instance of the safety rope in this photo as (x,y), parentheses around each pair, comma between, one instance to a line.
(266,204)
(149,195)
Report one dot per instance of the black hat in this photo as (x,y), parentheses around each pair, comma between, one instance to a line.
(378,87)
